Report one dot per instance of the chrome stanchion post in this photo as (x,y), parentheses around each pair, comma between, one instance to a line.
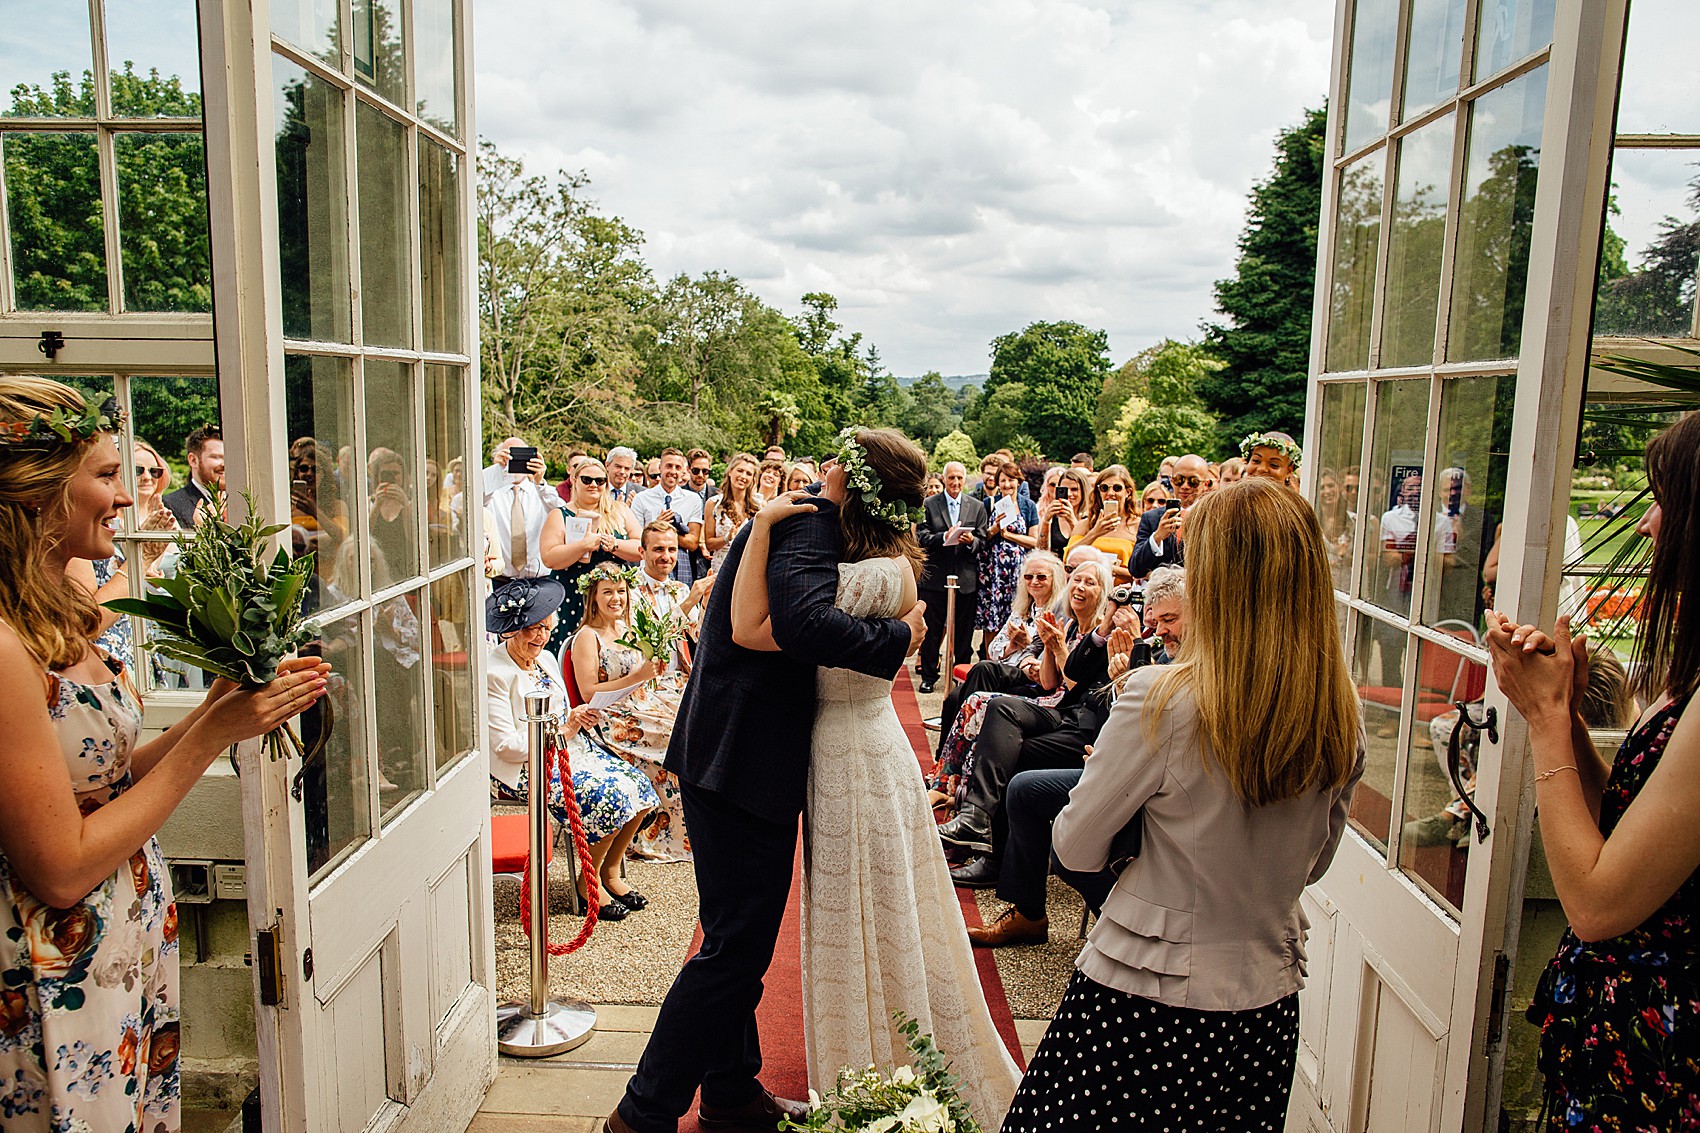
(948,673)
(541,1026)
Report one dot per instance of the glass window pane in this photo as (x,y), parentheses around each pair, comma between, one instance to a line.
(452,643)
(440,243)
(163,412)
(398,686)
(1369,84)
(1509,30)
(153,52)
(53,204)
(163,240)
(445,463)
(319,399)
(46,49)
(1496,219)
(378,60)
(1661,86)
(1468,500)
(1395,491)
(1651,254)
(436,62)
(312,206)
(336,804)
(1340,443)
(1357,237)
(1435,835)
(386,272)
(311,25)
(1378,668)
(1436,54)
(392,466)
(1415,244)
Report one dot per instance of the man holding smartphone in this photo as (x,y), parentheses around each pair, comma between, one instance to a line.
(1162,539)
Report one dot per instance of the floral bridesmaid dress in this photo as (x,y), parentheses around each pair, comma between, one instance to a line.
(88,994)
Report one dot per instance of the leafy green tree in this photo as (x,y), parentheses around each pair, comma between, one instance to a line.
(1656,298)
(931,410)
(1162,414)
(954,445)
(1495,226)
(1061,367)
(1002,416)
(1264,339)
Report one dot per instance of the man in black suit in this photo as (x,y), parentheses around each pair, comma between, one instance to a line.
(950,510)
(740,748)
(204,450)
(1161,541)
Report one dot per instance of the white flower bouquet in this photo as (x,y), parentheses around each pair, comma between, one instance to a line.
(921,1098)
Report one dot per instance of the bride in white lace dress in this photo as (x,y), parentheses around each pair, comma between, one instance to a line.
(882,929)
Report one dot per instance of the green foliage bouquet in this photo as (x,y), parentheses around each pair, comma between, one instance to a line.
(231,609)
(652,632)
(918,1099)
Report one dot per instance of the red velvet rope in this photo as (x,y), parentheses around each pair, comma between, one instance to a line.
(581,849)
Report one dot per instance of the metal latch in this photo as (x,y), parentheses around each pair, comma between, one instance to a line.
(268,959)
(51,343)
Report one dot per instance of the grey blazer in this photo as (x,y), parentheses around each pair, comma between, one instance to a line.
(1207,916)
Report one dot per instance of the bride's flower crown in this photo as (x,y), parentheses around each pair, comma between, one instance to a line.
(853,458)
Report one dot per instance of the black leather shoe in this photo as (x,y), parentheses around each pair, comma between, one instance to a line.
(976,873)
(763,1114)
(970,829)
(927,685)
(633,900)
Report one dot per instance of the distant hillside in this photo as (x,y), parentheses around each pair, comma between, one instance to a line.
(953,381)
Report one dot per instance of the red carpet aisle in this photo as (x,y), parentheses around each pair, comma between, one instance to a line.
(780,1016)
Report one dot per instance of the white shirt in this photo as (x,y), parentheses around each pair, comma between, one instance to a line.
(495,478)
(685,505)
(666,596)
(497,514)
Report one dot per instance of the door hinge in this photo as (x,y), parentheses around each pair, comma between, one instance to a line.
(1496,1001)
(268,959)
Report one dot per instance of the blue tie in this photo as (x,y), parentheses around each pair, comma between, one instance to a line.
(667,501)
(955,509)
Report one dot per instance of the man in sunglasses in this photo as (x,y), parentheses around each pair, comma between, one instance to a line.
(1162,538)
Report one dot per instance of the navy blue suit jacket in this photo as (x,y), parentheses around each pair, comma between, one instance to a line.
(1142,562)
(745,726)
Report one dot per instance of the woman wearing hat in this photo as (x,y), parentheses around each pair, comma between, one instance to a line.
(613,797)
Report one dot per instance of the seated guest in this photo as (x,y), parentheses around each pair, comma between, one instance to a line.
(639,727)
(1242,765)
(1110,522)
(614,798)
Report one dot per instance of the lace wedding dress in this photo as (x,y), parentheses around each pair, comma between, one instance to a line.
(882,930)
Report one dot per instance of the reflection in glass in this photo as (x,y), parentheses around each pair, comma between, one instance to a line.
(398,686)
(1660,91)
(1468,500)
(1651,252)
(445,463)
(378,58)
(1436,830)
(335,783)
(1357,236)
(46,48)
(1372,804)
(1509,30)
(312,206)
(152,44)
(163,239)
(1369,85)
(1415,244)
(53,202)
(451,667)
(1496,219)
(1436,54)
(391,460)
(436,60)
(310,25)
(386,273)
(319,399)
(1393,496)
(440,239)
(1339,450)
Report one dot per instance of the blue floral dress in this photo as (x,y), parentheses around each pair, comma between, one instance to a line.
(88,995)
(1620,1018)
(1000,573)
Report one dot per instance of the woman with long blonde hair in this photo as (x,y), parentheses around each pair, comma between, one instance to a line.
(735,505)
(1237,764)
(610,538)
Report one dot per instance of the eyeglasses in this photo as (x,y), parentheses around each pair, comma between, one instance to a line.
(149,470)
(1118,489)
(699,472)
(589,480)
(1187,481)
(1035,577)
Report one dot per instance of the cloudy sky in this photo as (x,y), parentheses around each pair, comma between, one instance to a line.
(950,170)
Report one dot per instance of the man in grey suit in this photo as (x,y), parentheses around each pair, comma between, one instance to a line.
(952,534)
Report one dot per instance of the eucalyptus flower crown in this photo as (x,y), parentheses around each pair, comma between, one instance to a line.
(853,458)
(1280,442)
(61,427)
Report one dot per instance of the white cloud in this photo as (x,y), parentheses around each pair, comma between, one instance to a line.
(950,171)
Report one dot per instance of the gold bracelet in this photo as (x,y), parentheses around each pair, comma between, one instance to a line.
(1545,775)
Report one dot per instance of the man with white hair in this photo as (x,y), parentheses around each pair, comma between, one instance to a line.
(951,532)
(620,465)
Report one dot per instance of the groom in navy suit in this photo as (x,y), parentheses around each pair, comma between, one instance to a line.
(741,748)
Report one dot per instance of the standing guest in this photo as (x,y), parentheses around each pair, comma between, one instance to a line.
(89,972)
(1009,536)
(1336,525)
(203,448)
(495,476)
(107,579)
(774,452)
(932,485)
(1153,496)
(674,504)
(1183,1011)
(524,534)
(951,533)
(1082,461)
(1060,504)
(698,464)
(1166,469)
(798,477)
(609,538)
(1110,523)
(986,486)
(735,506)
(770,479)
(621,463)
(1233,469)
(1272,456)
(390,519)
(614,798)
(1617,1005)
(315,505)
(1161,533)
(652,472)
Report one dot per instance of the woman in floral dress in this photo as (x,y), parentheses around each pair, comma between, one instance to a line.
(638,727)
(89,1025)
(1007,541)
(605,542)
(1619,1005)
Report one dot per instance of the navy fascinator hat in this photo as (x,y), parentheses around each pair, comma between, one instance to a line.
(520,603)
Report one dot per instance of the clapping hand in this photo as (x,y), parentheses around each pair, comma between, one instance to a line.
(1540,675)
(1020,637)
(1050,631)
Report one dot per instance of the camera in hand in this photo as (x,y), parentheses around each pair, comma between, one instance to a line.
(520,458)
(1127,594)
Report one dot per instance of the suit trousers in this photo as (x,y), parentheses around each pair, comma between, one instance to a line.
(967,603)
(1031,804)
(985,676)
(1019,735)
(705,1032)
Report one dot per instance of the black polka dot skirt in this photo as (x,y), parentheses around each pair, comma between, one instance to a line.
(1111,1060)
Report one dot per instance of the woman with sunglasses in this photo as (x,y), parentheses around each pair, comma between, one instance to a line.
(605,540)
(1111,522)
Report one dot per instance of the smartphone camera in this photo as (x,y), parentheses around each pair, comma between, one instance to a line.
(520,458)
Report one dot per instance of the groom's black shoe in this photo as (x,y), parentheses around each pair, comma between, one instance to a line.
(976,873)
(927,685)
(970,829)
(763,1113)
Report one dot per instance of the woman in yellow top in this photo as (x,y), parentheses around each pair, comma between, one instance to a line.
(1111,522)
